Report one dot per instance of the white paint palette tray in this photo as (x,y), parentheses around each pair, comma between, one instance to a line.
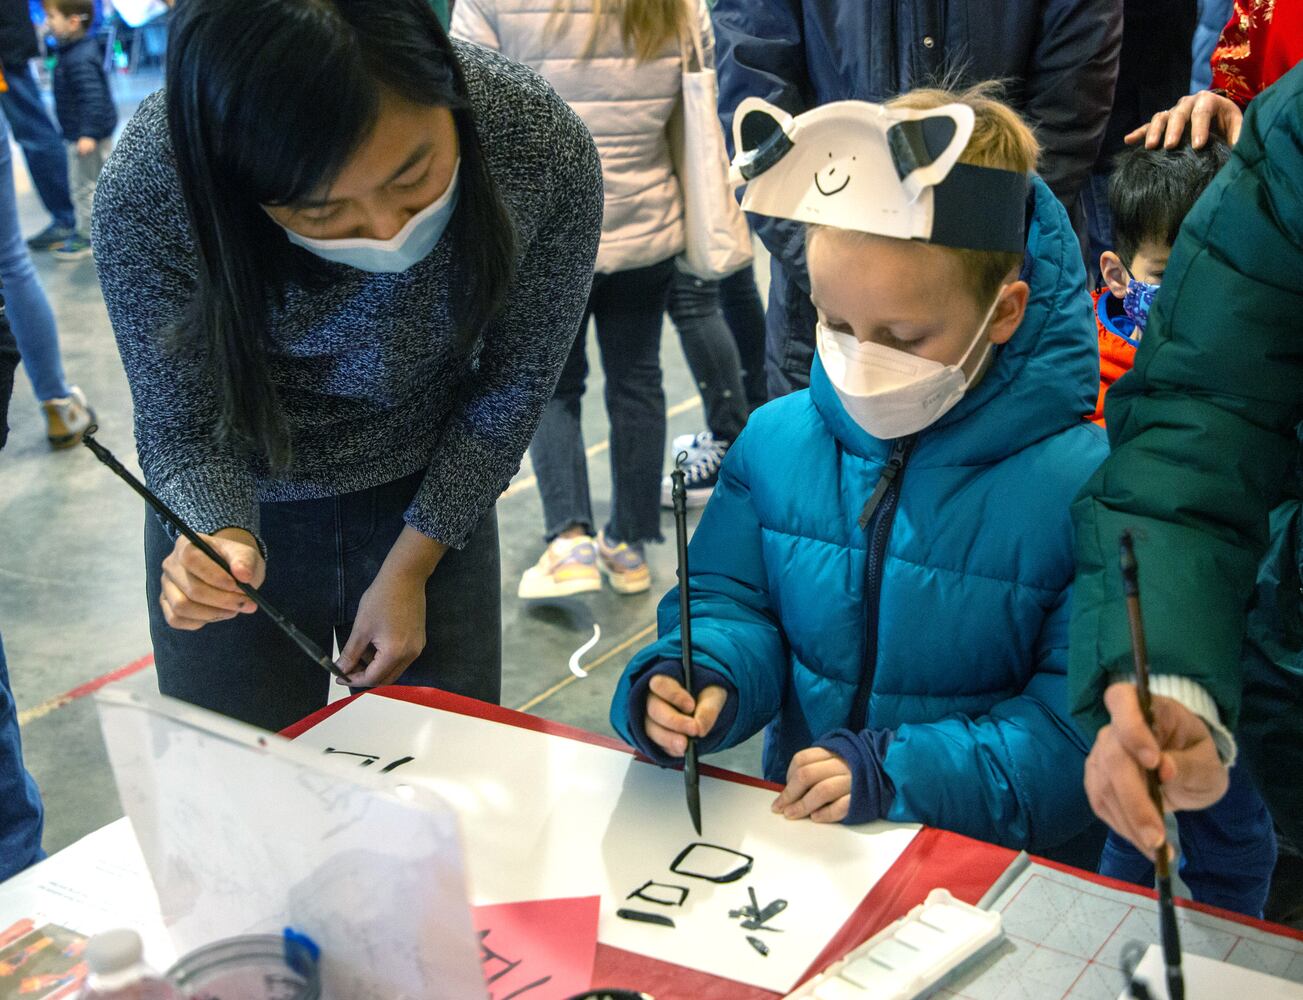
(911,956)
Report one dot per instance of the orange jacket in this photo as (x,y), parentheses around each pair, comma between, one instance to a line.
(1117,351)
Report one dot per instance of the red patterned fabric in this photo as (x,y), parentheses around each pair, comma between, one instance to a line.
(1261,43)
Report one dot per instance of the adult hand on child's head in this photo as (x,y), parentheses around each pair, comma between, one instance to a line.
(1204,112)
(673,715)
(1180,746)
(196,591)
(818,787)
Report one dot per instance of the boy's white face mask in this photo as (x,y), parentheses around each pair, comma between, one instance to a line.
(892,394)
(406,248)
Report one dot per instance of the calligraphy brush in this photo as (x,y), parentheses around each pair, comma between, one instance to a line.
(171,517)
(1171,937)
(679,493)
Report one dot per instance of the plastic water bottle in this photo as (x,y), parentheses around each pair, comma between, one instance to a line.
(118,970)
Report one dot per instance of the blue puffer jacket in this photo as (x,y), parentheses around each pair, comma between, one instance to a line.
(955,597)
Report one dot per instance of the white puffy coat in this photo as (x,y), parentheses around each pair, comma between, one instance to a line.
(625,105)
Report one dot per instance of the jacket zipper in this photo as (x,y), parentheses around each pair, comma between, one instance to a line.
(876,519)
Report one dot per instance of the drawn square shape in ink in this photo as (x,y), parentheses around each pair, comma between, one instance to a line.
(659,892)
(714,864)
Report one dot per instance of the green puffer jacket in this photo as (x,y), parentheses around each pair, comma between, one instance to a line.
(1206,439)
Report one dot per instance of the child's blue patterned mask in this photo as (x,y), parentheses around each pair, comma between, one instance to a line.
(1136,303)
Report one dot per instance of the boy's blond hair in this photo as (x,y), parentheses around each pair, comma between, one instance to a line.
(1000,139)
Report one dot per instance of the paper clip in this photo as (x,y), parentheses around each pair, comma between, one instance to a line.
(575,668)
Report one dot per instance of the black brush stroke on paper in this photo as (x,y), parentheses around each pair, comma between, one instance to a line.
(756,918)
(367,761)
(730,876)
(645,918)
(757,921)
(643,894)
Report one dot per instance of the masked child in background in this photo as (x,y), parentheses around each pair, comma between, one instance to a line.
(1228,852)
(896,617)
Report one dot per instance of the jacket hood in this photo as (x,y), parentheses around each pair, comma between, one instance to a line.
(1043,381)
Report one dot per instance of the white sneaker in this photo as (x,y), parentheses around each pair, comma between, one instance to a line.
(700,475)
(567,567)
(692,444)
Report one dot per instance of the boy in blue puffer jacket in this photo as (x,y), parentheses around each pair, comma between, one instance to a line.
(882,578)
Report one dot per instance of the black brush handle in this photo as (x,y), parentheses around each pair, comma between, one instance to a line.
(1168,931)
(1170,935)
(679,493)
(171,517)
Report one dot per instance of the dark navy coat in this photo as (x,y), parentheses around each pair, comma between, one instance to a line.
(82,99)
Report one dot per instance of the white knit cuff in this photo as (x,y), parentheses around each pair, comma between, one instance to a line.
(1197,699)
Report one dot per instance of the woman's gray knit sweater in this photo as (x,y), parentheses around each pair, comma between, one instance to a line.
(365,371)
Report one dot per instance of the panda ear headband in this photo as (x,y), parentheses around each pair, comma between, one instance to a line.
(885,170)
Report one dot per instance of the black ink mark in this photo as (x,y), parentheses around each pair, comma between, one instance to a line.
(757,922)
(645,895)
(706,861)
(645,918)
(754,918)
(488,955)
(759,946)
(367,758)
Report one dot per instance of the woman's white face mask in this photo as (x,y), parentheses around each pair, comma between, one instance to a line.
(406,248)
(892,394)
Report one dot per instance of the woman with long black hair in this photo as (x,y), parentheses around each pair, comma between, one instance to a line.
(345,259)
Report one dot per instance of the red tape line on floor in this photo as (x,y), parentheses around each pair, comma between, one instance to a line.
(82,690)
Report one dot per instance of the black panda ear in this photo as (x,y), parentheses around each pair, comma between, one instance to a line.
(919,143)
(758,126)
(763,142)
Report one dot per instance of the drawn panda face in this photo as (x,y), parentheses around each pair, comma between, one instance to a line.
(834,178)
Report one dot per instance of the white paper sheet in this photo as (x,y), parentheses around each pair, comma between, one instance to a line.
(547,817)
(1206,979)
(244,832)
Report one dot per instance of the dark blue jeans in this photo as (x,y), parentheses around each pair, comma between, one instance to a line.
(322,555)
(43,146)
(739,300)
(21,815)
(721,326)
(629,308)
(711,352)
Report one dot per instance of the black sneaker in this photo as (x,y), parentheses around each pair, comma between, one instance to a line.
(700,475)
(52,236)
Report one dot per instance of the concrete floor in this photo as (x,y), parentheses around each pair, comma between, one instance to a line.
(72,606)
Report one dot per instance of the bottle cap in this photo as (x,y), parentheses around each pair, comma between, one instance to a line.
(113,951)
